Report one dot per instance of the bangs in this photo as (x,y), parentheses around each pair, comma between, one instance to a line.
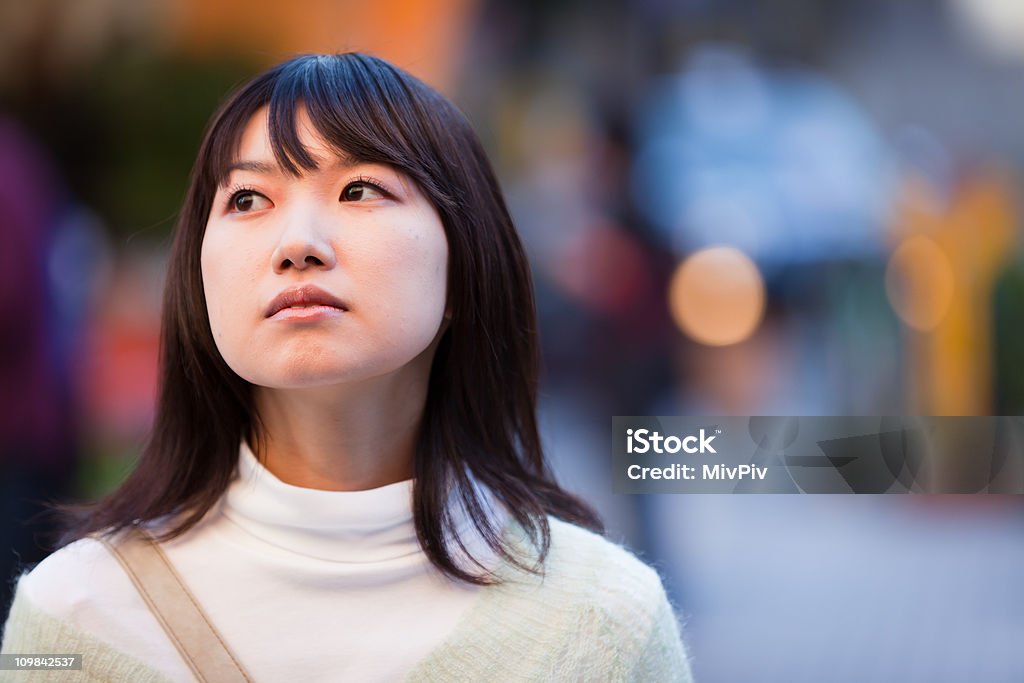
(361,107)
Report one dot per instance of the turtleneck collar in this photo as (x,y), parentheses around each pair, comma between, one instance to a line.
(373,525)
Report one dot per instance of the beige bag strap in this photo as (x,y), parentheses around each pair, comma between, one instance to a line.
(175,607)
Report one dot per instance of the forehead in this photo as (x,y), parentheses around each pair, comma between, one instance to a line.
(254,142)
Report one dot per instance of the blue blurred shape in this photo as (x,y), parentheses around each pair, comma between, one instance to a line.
(778,162)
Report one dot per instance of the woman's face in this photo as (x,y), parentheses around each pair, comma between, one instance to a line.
(360,238)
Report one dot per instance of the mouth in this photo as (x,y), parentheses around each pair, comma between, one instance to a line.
(305,302)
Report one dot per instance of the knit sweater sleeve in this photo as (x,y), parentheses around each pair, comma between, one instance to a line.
(663,656)
(32,631)
(598,614)
(640,636)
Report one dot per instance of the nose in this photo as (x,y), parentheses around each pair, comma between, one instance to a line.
(303,245)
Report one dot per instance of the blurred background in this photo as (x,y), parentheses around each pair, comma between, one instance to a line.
(732,207)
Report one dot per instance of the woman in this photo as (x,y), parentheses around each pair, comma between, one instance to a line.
(344,479)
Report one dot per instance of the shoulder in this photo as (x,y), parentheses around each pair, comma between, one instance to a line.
(601,612)
(32,629)
(66,584)
(84,585)
(625,607)
(576,545)
(80,599)
(587,574)
(603,571)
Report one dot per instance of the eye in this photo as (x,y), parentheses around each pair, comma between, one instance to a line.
(244,200)
(362,190)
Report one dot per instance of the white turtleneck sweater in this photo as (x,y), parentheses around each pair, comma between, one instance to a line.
(309,585)
(303,584)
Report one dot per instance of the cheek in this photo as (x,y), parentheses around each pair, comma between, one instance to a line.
(414,270)
(225,283)
(211,267)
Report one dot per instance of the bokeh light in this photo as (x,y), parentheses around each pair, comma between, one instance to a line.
(717,296)
(919,281)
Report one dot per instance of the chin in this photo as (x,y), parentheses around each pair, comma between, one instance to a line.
(319,367)
(306,377)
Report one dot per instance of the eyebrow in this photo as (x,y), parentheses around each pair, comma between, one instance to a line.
(254,166)
(269,168)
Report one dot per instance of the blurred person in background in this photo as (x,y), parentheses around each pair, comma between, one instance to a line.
(346,428)
(37,445)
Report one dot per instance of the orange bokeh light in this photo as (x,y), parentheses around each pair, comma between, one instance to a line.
(717,296)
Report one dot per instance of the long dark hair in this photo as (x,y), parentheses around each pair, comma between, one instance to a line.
(480,413)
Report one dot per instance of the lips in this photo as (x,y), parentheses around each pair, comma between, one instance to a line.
(303,296)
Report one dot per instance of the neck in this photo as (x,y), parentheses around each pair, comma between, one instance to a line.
(349,438)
